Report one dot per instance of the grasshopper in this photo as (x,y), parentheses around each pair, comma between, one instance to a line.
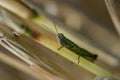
(65,42)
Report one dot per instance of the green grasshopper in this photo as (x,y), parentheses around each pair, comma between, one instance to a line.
(65,42)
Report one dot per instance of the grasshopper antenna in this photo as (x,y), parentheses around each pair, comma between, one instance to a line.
(55,27)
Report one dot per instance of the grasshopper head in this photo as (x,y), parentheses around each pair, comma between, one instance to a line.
(60,35)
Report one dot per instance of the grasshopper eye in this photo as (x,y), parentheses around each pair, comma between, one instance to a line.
(60,35)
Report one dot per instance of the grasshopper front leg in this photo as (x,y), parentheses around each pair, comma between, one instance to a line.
(60,47)
(78,59)
(60,43)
